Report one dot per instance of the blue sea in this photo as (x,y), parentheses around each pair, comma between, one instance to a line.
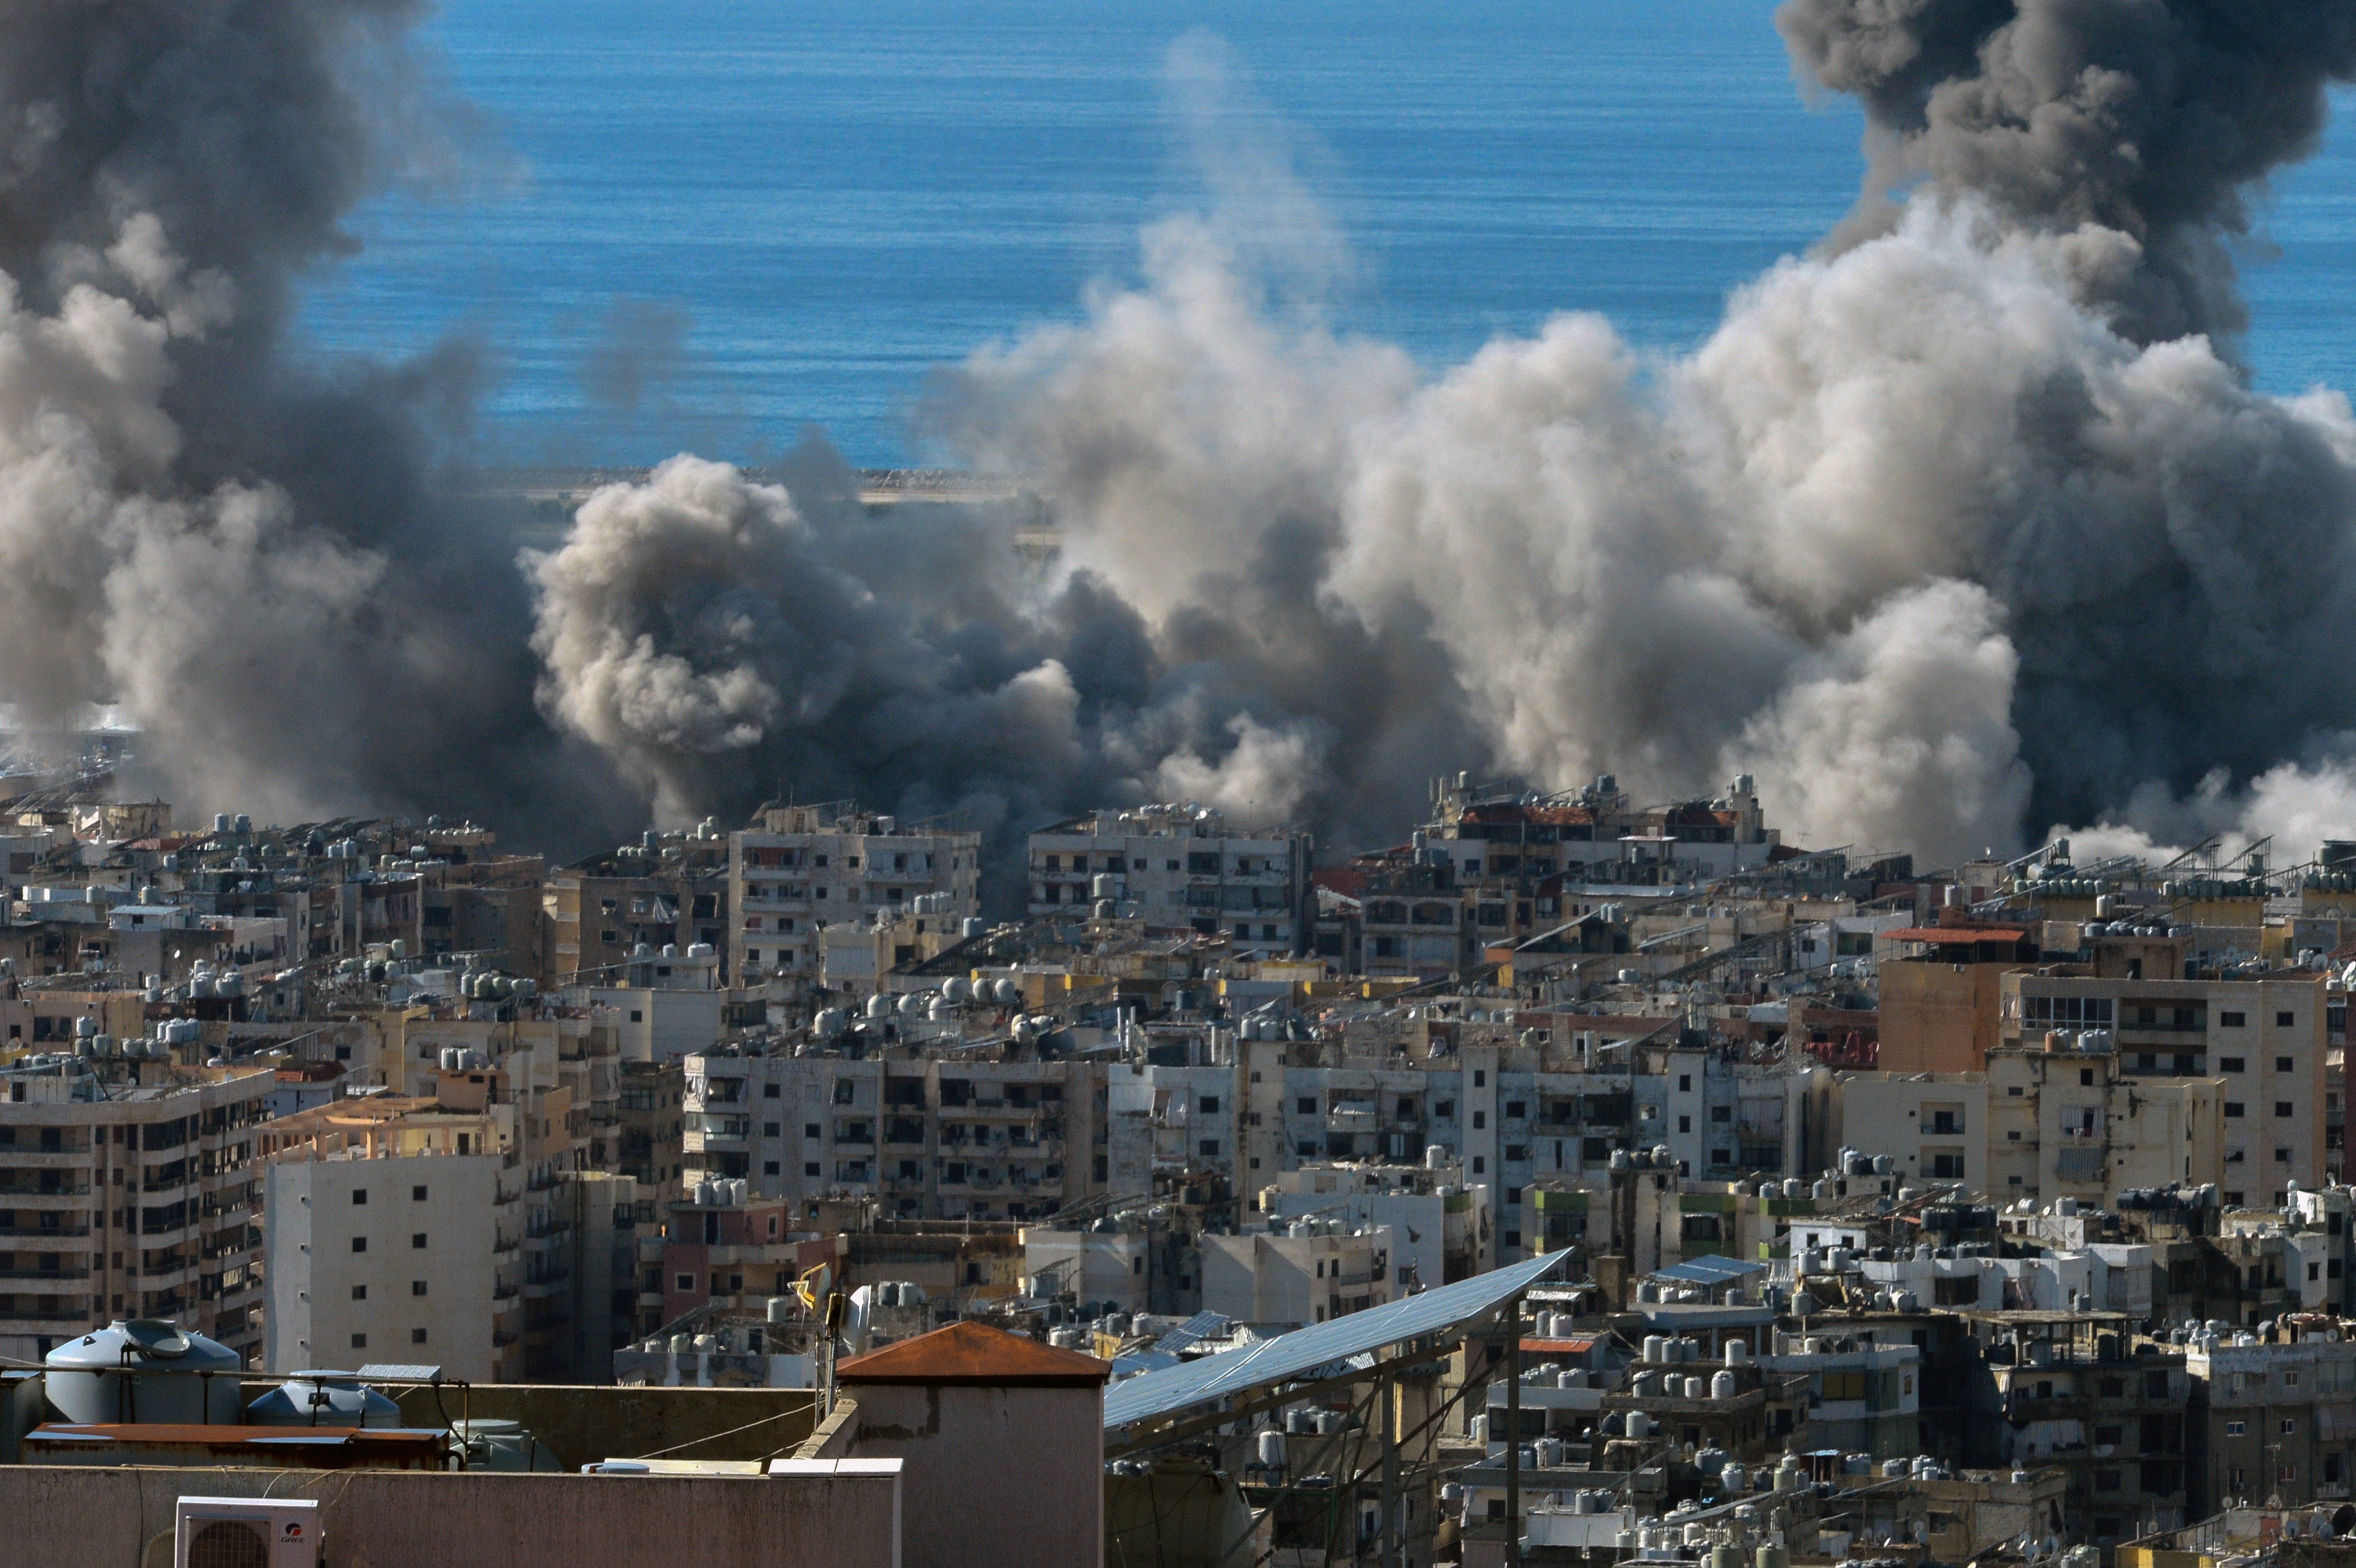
(713,223)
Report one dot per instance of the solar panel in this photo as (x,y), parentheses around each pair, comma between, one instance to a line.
(1709,1271)
(397,1372)
(1196,1329)
(1295,1355)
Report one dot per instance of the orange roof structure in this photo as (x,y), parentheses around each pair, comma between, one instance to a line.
(971,1352)
(1958,935)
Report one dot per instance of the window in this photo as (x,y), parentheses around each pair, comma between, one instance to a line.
(2286,1020)
(1721,1113)
(359,1243)
(1685,1082)
(1210,1148)
(768,1091)
(687,1282)
(2282,1157)
(1516,1110)
(2283,1108)
(1684,1123)
(2086,1077)
(843,1090)
(2236,1428)
(1444,1109)
(359,1342)
(2289,1427)
(1306,1104)
(2154,1385)
(2231,1020)
(2234,1108)
(2285,1064)
(360,1195)
(416,1287)
(359,1293)
(1480,1164)
(811,1130)
(1210,1105)
(2229,1065)
(417,1194)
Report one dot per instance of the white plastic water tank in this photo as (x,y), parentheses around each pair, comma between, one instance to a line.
(145,1370)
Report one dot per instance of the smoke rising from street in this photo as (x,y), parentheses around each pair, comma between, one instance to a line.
(1968,524)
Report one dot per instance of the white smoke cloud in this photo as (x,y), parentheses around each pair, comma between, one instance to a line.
(1924,536)
(1970,520)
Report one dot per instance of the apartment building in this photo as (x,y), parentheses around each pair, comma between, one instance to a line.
(2072,1390)
(1307,1271)
(1502,1113)
(2072,1123)
(378,1256)
(930,1139)
(647,1144)
(598,913)
(393,1226)
(2263,1038)
(2268,1420)
(1438,1225)
(802,868)
(1932,1125)
(1178,865)
(127,1190)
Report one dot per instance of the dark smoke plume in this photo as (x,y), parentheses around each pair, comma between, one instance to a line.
(2149,119)
(1967,523)
(251,554)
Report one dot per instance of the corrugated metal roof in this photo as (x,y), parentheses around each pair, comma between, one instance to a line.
(1709,1271)
(1291,1356)
(971,1352)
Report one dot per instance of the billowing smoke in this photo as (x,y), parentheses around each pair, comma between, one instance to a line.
(1970,522)
(248,553)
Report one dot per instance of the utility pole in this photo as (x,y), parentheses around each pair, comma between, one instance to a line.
(1393,1527)
(1513,1433)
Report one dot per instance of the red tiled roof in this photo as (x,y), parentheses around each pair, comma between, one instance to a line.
(971,1352)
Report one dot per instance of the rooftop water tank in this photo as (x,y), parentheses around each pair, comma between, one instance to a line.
(145,1370)
(501,1445)
(322,1399)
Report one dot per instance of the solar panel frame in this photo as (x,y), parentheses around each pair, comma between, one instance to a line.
(1201,1326)
(1289,1356)
(1712,1269)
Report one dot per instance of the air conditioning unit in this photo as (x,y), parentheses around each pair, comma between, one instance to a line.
(245,1533)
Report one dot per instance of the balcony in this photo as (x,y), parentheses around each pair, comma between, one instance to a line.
(59,1192)
(10,1279)
(68,1313)
(14,1157)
